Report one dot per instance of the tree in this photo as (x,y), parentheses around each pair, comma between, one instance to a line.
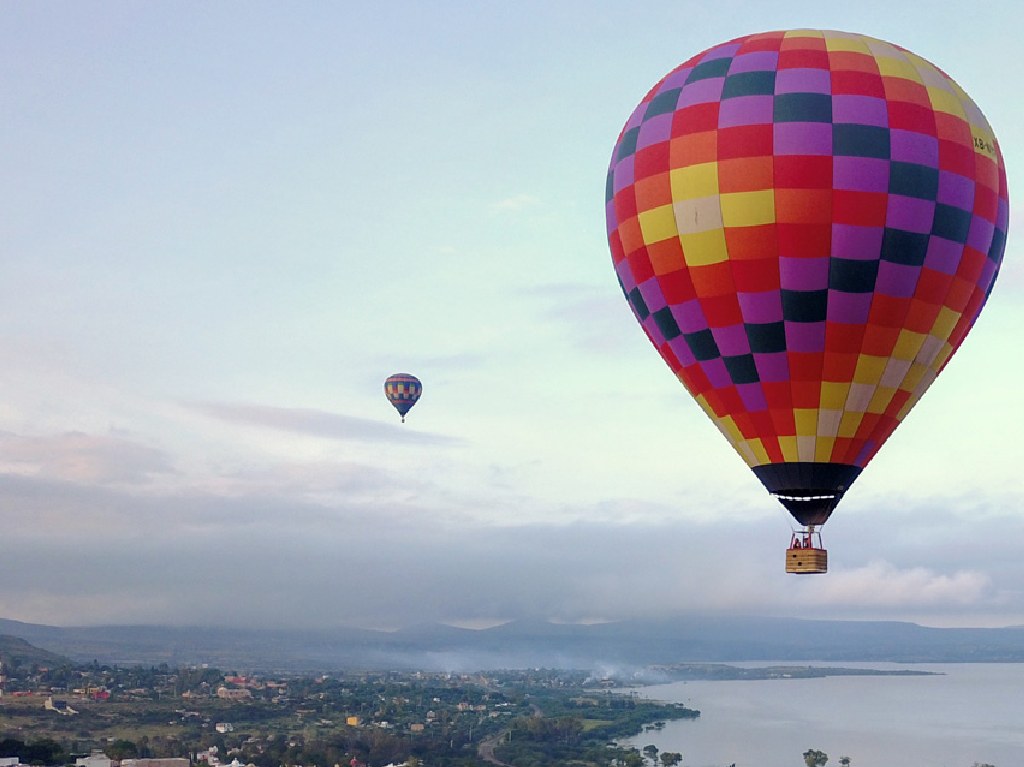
(632,758)
(844,761)
(121,749)
(11,747)
(651,752)
(815,758)
(45,751)
(671,758)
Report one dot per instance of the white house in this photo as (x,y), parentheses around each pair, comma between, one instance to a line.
(60,706)
(95,759)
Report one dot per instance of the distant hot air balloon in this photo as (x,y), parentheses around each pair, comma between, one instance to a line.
(403,391)
(807,224)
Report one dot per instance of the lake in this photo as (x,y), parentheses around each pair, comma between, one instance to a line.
(973,712)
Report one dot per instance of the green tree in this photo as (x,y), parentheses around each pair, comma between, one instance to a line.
(44,751)
(121,749)
(815,758)
(11,747)
(671,758)
(651,752)
(633,758)
(844,761)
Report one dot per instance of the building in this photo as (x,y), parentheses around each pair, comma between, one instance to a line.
(62,708)
(95,759)
(228,693)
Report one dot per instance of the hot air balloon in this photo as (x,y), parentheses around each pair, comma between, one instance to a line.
(403,391)
(806,224)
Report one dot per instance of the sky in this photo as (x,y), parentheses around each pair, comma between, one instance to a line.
(224,224)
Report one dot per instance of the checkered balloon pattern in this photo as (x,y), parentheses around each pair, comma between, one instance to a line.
(806,224)
(403,391)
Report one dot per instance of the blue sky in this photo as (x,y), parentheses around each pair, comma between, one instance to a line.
(225,224)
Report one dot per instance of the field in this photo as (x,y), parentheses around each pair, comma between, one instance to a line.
(168,719)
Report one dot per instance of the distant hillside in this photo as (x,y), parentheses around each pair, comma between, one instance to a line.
(621,646)
(15,652)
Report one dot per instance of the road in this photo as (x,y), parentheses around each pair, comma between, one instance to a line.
(486,749)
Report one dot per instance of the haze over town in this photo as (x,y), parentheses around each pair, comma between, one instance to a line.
(226,224)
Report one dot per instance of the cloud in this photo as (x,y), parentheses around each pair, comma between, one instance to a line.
(515,203)
(883,585)
(358,559)
(317,423)
(81,458)
(597,319)
(306,479)
(63,517)
(601,323)
(356,541)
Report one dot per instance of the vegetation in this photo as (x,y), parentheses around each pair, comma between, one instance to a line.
(538,717)
(582,730)
(16,652)
(43,751)
(815,758)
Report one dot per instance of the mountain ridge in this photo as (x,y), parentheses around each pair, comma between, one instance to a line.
(525,644)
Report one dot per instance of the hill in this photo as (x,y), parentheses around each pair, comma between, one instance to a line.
(678,639)
(15,652)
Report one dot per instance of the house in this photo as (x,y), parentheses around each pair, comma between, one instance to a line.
(95,759)
(223,727)
(226,693)
(61,707)
(165,762)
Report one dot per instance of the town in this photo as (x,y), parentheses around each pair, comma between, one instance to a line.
(95,715)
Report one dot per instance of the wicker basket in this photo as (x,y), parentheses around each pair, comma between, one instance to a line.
(802,561)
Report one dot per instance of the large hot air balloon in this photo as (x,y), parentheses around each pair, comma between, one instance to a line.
(403,391)
(806,224)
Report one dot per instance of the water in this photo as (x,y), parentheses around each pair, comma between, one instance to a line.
(972,713)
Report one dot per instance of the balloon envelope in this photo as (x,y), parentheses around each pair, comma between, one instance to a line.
(403,391)
(806,224)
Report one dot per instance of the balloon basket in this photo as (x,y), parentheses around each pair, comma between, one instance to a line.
(805,556)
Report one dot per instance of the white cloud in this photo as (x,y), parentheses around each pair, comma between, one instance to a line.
(515,203)
(81,458)
(317,423)
(882,585)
